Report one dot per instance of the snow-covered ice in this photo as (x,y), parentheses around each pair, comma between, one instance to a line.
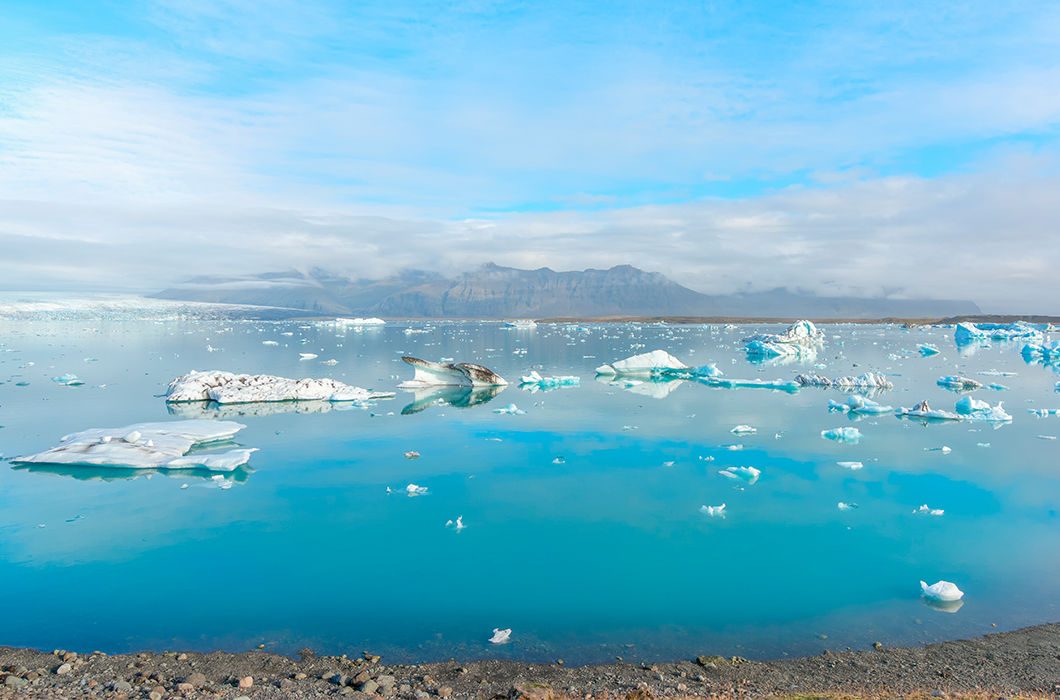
(941,590)
(227,388)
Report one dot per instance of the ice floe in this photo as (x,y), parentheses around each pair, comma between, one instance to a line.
(844,434)
(970,332)
(856,403)
(510,409)
(941,590)
(799,333)
(927,350)
(853,466)
(925,510)
(748,475)
(415,490)
(535,382)
(646,364)
(957,382)
(923,410)
(846,506)
(966,409)
(764,349)
(149,445)
(744,430)
(229,388)
(713,511)
(457,524)
(465,374)
(869,380)
(68,380)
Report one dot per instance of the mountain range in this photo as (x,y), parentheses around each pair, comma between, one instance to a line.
(494,292)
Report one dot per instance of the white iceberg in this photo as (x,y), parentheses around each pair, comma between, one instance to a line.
(765,349)
(799,333)
(1048,352)
(869,380)
(858,404)
(501,636)
(68,380)
(853,466)
(510,409)
(941,590)
(744,430)
(229,388)
(535,382)
(307,356)
(464,374)
(646,364)
(957,382)
(972,409)
(846,506)
(970,332)
(713,511)
(414,490)
(521,323)
(925,510)
(748,475)
(845,434)
(149,445)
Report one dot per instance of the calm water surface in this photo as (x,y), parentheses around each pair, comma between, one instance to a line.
(583,529)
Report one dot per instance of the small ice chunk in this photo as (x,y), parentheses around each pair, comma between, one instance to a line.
(858,404)
(412,454)
(746,474)
(941,590)
(269,342)
(307,356)
(414,490)
(501,636)
(844,434)
(457,524)
(925,510)
(847,506)
(957,382)
(743,430)
(851,465)
(713,511)
(927,350)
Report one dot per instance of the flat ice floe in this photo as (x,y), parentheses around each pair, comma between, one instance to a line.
(228,388)
(463,374)
(869,380)
(149,445)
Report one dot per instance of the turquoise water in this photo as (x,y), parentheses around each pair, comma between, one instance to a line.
(583,529)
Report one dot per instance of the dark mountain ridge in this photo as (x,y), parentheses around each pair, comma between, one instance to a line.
(494,292)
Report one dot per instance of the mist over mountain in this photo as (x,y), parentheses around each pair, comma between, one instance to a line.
(493,292)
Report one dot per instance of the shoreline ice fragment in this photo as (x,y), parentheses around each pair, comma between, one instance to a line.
(941,590)
(501,636)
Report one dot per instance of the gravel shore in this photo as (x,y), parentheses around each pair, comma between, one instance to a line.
(1024,662)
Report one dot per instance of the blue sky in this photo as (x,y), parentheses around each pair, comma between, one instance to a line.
(830,147)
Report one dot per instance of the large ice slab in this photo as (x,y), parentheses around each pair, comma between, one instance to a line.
(464,374)
(869,380)
(149,445)
(971,332)
(645,364)
(799,333)
(227,387)
(957,382)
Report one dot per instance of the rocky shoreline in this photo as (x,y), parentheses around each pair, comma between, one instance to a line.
(1023,662)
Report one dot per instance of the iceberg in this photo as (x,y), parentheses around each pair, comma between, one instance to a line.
(956,382)
(927,350)
(463,374)
(521,323)
(747,474)
(68,380)
(845,434)
(869,380)
(765,349)
(652,363)
(743,430)
(970,332)
(228,388)
(414,490)
(713,511)
(925,510)
(972,409)
(1046,352)
(501,636)
(799,333)
(510,409)
(941,590)
(535,382)
(923,410)
(858,404)
(853,466)
(149,445)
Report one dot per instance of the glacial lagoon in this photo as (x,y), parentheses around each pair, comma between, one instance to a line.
(583,532)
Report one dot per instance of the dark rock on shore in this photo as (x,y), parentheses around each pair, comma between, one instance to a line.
(1023,662)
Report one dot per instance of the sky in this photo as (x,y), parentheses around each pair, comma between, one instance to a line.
(907,149)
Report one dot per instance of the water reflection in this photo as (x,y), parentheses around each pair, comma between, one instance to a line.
(218,411)
(88,473)
(459,397)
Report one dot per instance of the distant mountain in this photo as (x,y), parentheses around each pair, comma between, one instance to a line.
(493,291)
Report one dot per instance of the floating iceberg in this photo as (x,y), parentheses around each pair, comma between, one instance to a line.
(956,382)
(869,380)
(923,410)
(851,465)
(535,382)
(713,511)
(927,350)
(149,445)
(1047,352)
(457,524)
(68,380)
(500,636)
(941,590)
(463,374)
(972,409)
(414,490)
(521,323)
(925,510)
(510,409)
(799,333)
(744,430)
(746,474)
(858,404)
(228,388)
(970,332)
(342,322)
(649,364)
(845,434)
(764,349)
(846,506)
